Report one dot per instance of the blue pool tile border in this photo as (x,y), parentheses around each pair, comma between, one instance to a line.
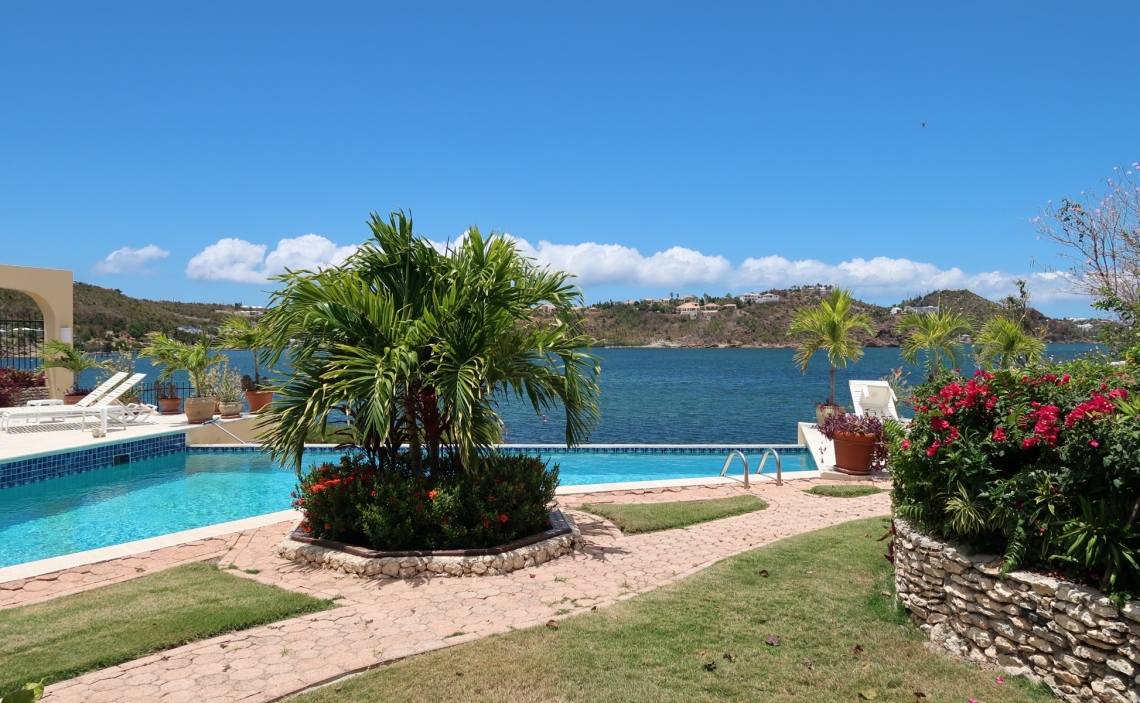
(48,466)
(546,449)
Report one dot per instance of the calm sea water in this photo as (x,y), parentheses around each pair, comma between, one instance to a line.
(684,396)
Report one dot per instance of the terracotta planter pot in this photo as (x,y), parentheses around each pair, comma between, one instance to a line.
(230,410)
(169,406)
(73,399)
(853,453)
(824,411)
(258,399)
(199,410)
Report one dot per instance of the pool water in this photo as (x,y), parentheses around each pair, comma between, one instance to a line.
(197,488)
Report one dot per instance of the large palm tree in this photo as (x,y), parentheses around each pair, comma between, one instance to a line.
(936,334)
(1005,343)
(416,346)
(239,332)
(830,327)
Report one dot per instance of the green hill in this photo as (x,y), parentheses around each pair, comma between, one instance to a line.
(106,319)
(766,324)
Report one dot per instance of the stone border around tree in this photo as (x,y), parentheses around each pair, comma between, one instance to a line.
(1073,638)
(563,538)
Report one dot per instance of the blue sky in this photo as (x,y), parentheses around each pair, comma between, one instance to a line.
(648,147)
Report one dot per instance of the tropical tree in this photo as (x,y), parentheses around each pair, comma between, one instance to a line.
(239,332)
(936,334)
(195,359)
(830,327)
(61,355)
(1005,343)
(416,345)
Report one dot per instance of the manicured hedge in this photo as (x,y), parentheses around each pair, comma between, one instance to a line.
(451,508)
(1040,465)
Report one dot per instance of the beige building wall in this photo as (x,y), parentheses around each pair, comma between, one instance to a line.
(52,289)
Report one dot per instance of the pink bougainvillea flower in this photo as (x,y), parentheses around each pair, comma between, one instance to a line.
(906,444)
(1094,443)
(933,449)
(999,679)
(999,434)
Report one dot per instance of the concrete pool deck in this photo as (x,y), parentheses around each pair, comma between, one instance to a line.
(380,621)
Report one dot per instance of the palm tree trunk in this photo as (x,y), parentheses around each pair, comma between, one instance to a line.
(831,398)
(415,452)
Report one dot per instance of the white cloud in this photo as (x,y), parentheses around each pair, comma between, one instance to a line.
(237,260)
(614,264)
(127,260)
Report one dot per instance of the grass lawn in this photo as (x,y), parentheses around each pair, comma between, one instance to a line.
(105,626)
(653,517)
(823,597)
(844,491)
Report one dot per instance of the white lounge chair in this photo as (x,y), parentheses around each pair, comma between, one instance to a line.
(58,411)
(109,408)
(874,398)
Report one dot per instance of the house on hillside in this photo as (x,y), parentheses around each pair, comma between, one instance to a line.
(690,309)
(920,309)
(710,308)
(760,297)
(728,307)
(189,329)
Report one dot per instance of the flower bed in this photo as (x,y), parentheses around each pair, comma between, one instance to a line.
(398,508)
(1041,466)
(562,538)
(1074,638)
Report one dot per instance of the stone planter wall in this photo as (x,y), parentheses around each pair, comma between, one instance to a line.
(1072,637)
(429,564)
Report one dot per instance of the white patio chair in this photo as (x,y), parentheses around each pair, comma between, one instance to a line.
(54,411)
(109,407)
(875,398)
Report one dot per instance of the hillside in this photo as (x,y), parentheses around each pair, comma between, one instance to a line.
(766,324)
(106,319)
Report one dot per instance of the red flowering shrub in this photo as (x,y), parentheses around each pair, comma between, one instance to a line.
(13,382)
(450,509)
(1041,465)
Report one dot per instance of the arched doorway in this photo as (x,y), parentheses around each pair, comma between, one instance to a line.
(52,289)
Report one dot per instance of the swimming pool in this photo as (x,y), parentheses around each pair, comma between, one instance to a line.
(199,487)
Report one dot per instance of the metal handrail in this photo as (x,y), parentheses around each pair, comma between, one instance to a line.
(736,452)
(215,424)
(779,469)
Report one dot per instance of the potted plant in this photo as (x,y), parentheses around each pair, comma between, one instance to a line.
(61,355)
(169,403)
(196,361)
(227,388)
(859,442)
(830,327)
(241,333)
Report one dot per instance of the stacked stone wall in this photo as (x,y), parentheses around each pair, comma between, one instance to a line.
(1071,637)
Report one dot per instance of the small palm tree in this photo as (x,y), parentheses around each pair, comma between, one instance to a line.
(830,327)
(61,355)
(239,332)
(417,346)
(1005,343)
(194,359)
(937,335)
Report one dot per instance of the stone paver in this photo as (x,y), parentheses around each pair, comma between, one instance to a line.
(383,620)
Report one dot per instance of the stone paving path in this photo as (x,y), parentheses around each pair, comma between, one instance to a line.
(383,620)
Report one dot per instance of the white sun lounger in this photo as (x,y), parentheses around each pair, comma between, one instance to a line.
(53,410)
(874,398)
(109,408)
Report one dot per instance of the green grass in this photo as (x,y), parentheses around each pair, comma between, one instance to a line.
(105,626)
(824,594)
(844,491)
(653,517)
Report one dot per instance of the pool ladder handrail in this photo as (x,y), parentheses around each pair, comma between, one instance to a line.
(215,424)
(760,469)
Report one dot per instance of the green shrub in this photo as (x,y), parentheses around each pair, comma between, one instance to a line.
(401,509)
(1041,465)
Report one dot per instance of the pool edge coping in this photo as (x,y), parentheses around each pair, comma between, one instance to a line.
(41,567)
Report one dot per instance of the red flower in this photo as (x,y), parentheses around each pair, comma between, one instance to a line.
(373,493)
(932,449)
(999,434)
(1094,443)
(938,423)
(906,444)
(419,506)
(503,518)
(432,494)
(1029,442)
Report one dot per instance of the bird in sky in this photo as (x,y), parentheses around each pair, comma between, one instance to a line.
(924,125)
